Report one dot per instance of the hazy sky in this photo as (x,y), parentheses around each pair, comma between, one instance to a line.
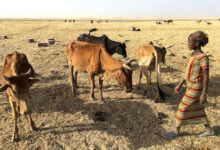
(109,8)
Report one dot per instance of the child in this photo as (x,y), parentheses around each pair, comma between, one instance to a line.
(191,109)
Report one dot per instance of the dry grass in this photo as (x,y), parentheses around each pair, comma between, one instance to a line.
(66,122)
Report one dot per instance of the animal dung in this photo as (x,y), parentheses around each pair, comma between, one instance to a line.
(161,115)
(100,116)
(42,44)
(51,41)
(3,37)
(184,57)
(30,40)
(172,54)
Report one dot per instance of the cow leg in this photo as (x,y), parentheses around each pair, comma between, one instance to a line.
(140,77)
(71,77)
(156,99)
(15,137)
(91,76)
(31,122)
(146,74)
(150,76)
(100,89)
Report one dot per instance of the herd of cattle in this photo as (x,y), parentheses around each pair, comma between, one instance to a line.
(86,54)
(169,21)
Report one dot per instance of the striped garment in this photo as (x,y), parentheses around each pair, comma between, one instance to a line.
(190,111)
(195,64)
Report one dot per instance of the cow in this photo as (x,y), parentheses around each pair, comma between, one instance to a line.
(94,59)
(150,56)
(168,21)
(112,47)
(209,23)
(198,21)
(135,29)
(159,22)
(16,77)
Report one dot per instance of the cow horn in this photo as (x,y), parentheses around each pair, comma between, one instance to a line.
(6,78)
(126,66)
(126,41)
(169,46)
(132,60)
(28,72)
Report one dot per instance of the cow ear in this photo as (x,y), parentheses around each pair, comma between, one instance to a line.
(3,88)
(32,81)
(123,45)
(11,80)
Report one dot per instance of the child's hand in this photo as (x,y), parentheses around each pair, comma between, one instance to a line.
(202,99)
(177,89)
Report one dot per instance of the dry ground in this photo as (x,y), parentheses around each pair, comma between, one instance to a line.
(67,122)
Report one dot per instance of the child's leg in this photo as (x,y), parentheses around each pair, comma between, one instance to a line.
(177,130)
(171,134)
(209,130)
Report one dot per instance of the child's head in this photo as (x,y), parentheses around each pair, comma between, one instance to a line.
(197,39)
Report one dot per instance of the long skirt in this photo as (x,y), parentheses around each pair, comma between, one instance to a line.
(190,111)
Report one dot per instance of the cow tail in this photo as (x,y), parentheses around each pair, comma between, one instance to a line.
(99,62)
(92,30)
(157,70)
(69,49)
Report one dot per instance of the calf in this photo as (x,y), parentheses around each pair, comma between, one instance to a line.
(16,78)
(94,59)
(150,56)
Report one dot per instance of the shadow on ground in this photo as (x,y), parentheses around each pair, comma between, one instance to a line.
(131,119)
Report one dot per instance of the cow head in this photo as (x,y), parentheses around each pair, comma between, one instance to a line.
(120,48)
(124,76)
(162,50)
(114,47)
(18,88)
(162,53)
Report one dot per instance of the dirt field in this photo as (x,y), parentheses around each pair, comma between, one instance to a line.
(67,122)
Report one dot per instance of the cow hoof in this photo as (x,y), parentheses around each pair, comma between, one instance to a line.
(138,88)
(15,139)
(101,99)
(156,101)
(145,93)
(92,98)
(34,129)
(74,94)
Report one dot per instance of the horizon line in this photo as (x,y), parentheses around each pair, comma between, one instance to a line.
(120,18)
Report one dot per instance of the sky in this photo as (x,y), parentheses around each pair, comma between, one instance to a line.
(110,9)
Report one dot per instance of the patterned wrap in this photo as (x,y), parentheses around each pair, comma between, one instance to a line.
(190,111)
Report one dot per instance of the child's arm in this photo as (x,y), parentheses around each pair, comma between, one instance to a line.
(205,85)
(177,88)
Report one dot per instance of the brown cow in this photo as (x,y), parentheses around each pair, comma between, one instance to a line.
(94,59)
(16,78)
(148,57)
